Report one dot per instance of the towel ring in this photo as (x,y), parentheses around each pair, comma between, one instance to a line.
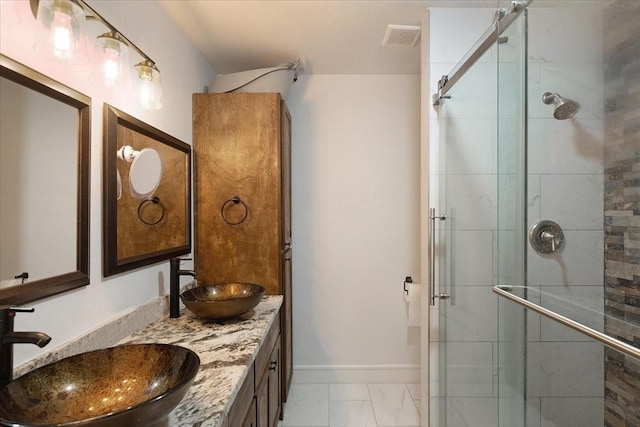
(236,201)
(156,201)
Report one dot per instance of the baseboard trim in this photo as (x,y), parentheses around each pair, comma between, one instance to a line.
(356,374)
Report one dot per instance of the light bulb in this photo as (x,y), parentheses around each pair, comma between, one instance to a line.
(111,71)
(61,28)
(146,92)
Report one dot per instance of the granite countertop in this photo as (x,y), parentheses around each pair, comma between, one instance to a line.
(226,351)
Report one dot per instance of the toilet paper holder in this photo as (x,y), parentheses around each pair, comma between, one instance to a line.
(407,279)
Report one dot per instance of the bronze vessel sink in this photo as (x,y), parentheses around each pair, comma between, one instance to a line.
(222,301)
(126,385)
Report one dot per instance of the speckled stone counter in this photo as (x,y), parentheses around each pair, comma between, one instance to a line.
(226,351)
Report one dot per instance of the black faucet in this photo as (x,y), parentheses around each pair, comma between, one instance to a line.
(8,337)
(174,285)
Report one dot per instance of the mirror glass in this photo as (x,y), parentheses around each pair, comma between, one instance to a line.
(44,147)
(147,194)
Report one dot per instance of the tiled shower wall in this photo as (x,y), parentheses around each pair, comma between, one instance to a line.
(565,380)
(622,207)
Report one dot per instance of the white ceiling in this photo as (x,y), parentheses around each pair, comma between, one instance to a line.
(330,36)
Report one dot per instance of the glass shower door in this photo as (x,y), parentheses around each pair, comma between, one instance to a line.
(464,320)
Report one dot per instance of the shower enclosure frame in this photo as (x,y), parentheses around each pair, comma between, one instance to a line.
(502,20)
(509,293)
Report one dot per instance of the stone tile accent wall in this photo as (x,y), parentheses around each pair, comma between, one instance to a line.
(622,208)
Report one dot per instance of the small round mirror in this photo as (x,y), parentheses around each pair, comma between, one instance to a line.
(145,173)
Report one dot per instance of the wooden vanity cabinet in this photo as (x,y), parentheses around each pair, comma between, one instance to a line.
(243,401)
(242,152)
(275,387)
(268,378)
(250,420)
(268,391)
(259,401)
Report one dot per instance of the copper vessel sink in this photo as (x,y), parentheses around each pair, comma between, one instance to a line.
(222,301)
(126,385)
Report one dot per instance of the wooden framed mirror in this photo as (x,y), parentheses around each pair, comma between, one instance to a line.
(45,131)
(147,194)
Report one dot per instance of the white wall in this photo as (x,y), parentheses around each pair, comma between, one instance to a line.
(184,71)
(356,206)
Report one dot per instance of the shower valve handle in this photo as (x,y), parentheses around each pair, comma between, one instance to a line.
(549,237)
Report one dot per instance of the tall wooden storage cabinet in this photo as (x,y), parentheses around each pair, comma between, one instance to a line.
(242,146)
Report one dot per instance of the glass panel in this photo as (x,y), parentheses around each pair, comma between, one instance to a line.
(467,187)
(582,59)
(563,388)
(574,312)
(511,247)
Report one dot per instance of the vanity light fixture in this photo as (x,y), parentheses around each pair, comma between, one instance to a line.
(62,23)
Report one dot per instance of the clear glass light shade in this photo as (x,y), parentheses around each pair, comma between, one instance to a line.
(112,57)
(62,26)
(149,85)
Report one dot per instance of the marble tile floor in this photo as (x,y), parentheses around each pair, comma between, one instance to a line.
(352,405)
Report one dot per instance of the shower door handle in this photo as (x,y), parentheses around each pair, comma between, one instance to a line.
(432,257)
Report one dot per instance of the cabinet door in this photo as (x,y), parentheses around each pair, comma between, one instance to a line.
(250,419)
(243,401)
(287,345)
(237,153)
(287,326)
(285,173)
(274,386)
(262,401)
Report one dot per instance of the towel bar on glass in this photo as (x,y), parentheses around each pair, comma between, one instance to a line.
(509,292)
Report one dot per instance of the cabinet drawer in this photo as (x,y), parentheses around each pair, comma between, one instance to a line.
(268,390)
(243,401)
(275,385)
(262,359)
(262,400)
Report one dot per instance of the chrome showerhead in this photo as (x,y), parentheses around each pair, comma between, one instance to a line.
(563,108)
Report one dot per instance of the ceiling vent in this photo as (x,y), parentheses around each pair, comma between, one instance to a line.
(401,35)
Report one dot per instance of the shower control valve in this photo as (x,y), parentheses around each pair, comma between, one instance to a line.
(546,237)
